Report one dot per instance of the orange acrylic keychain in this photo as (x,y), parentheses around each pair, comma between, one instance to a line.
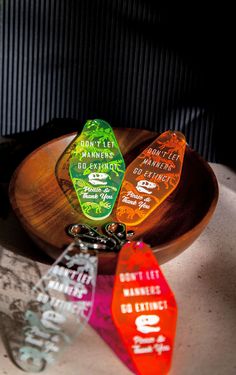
(151,178)
(144,309)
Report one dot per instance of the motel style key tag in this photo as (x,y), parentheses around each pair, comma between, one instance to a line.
(60,306)
(151,178)
(144,309)
(96,169)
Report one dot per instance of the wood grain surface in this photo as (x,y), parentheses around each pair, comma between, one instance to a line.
(42,197)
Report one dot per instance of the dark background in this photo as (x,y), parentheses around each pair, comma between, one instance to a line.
(135,63)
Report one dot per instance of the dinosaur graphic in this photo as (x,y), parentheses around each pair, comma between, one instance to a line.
(93,206)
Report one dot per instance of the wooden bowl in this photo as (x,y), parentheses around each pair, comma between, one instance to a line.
(45,212)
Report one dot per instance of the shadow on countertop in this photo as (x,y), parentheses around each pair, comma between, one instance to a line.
(14,238)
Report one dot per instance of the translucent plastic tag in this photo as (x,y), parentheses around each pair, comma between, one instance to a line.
(151,177)
(96,169)
(144,309)
(52,320)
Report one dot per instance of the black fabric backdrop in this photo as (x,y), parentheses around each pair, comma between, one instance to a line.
(135,63)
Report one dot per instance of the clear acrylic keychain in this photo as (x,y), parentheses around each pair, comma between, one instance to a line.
(60,306)
(62,300)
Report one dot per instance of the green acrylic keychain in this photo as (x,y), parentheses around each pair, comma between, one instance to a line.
(96,169)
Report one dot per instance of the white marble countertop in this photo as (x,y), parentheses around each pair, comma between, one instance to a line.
(203,279)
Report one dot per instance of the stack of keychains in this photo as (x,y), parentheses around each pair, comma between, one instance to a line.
(143,307)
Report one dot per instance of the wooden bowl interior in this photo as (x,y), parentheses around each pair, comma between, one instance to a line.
(45,212)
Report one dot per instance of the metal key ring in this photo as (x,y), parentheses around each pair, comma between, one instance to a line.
(89,245)
(90,237)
